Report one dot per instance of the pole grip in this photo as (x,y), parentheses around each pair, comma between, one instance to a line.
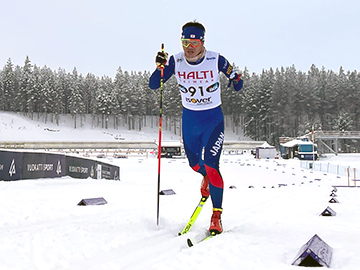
(162,66)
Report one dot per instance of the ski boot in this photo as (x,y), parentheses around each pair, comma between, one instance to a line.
(215,223)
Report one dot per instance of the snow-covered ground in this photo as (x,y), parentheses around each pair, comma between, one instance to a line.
(42,227)
(16,127)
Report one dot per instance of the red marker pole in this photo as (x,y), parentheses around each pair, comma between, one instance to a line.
(160,126)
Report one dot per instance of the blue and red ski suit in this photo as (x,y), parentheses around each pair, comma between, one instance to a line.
(202,119)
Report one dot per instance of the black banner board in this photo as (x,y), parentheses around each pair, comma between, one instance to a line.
(32,165)
(43,165)
(10,165)
(109,171)
(80,167)
(59,162)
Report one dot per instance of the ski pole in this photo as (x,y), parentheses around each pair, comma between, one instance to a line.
(160,126)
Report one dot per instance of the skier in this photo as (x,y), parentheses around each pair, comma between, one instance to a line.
(197,71)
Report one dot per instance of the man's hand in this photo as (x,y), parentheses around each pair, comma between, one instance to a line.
(161,59)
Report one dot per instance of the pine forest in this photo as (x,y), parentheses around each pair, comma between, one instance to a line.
(278,102)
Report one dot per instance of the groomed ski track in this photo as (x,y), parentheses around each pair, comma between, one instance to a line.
(42,224)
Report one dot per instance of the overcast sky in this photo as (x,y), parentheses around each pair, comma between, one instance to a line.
(98,36)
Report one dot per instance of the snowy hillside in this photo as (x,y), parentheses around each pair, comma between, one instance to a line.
(17,127)
(273,210)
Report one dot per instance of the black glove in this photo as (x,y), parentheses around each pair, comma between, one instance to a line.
(161,59)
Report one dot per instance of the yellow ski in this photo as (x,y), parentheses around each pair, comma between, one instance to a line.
(201,237)
(194,216)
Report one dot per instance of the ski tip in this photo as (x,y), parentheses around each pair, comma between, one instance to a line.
(189,242)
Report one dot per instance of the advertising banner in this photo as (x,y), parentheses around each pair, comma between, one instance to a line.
(32,165)
(10,165)
(43,165)
(109,171)
(80,167)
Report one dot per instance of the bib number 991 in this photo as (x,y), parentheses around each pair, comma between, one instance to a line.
(192,90)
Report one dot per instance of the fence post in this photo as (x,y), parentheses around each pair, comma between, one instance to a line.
(354,177)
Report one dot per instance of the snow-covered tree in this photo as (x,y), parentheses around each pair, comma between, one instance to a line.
(8,87)
(26,94)
(76,102)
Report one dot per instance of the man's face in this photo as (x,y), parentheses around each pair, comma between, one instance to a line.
(192,47)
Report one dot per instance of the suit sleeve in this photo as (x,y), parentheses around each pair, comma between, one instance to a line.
(226,68)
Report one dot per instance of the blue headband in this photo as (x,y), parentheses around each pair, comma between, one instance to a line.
(193,32)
